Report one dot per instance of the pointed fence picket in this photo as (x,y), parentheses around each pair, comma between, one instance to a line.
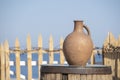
(17,46)
(40,57)
(7,66)
(29,58)
(2,62)
(51,56)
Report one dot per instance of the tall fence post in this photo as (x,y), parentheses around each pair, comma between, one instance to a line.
(17,54)
(7,59)
(40,55)
(29,58)
(2,62)
(62,58)
(51,56)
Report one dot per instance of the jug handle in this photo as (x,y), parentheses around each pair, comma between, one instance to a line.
(88,31)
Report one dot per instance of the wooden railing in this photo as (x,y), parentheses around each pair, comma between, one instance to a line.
(5,52)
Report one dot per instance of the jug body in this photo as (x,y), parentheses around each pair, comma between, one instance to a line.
(78,46)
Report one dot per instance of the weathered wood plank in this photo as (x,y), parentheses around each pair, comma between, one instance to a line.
(103,77)
(2,62)
(105,58)
(78,76)
(70,77)
(52,76)
(113,64)
(89,77)
(99,77)
(29,58)
(92,59)
(73,76)
(118,61)
(94,77)
(17,54)
(108,77)
(51,56)
(47,76)
(83,77)
(7,67)
(64,76)
(118,65)
(40,55)
(58,76)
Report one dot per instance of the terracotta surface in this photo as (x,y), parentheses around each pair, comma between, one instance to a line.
(78,46)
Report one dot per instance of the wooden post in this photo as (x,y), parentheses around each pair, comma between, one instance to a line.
(113,56)
(51,56)
(40,55)
(62,58)
(108,56)
(118,57)
(83,77)
(105,59)
(29,58)
(99,77)
(92,59)
(106,46)
(74,77)
(119,41)
(89,77)
(2,62)
(113,64)
(94,77)
(58,76)
(17,54)
(118,65)
(7,67)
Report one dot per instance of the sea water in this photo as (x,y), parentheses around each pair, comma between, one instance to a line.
(24,70)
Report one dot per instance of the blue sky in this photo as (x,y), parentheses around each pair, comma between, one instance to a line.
(18,18)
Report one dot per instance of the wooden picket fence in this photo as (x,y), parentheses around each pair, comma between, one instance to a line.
(5,52)
(111,53)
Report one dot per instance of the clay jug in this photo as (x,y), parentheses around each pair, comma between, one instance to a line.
(78,46)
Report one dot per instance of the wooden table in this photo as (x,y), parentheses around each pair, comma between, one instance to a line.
(66,72)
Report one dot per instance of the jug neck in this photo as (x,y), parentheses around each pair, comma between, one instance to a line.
(78,25)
